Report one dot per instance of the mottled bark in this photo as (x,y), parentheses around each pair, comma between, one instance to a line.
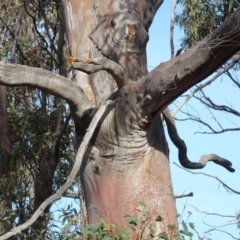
(130,162)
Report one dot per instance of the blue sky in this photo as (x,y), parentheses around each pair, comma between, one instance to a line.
(209,195)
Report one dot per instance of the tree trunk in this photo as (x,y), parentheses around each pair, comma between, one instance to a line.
(126,164)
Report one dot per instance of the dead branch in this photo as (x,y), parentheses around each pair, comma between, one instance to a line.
(237,83)
(71,195)
(74,172)
(182,148)
(184,195)
(212,214)
(214,229)
(209,103)
(213,131)
(205,174)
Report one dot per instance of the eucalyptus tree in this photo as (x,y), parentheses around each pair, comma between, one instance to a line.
(126,160)
(32,34)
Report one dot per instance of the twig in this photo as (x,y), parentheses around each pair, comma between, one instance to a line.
(211,230)
(74,171)
(205,174)
(184,195)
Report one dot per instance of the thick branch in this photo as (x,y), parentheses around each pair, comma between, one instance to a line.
(52,83)
(174,77)
(97,64)
(74,171)
(182,149)
(201,86)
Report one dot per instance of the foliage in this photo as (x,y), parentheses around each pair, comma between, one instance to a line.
(39,128)
(198,18)
(143,227)
(138,228)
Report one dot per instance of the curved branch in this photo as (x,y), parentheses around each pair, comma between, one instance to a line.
(101,63)
(74,171)
(182,149)
(52,83)
(150,10)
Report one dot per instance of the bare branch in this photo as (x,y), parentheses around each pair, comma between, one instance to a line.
(71,195)
(52,83)
(184,195)
(231,77)
(97,64)
(209,103)
(213,131)
(74,172)
(201,86)
(207,213)
(211,230)
(205,174)
(182,149)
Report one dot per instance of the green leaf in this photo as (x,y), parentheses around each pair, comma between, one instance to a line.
(178,238)
(53,110)
(231,2)
(163,236)
(187,233)
(133,220)
(191,225)
(184,226)
(94,227)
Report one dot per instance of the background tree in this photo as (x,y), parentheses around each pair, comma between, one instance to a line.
(32,153)
(128,152)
